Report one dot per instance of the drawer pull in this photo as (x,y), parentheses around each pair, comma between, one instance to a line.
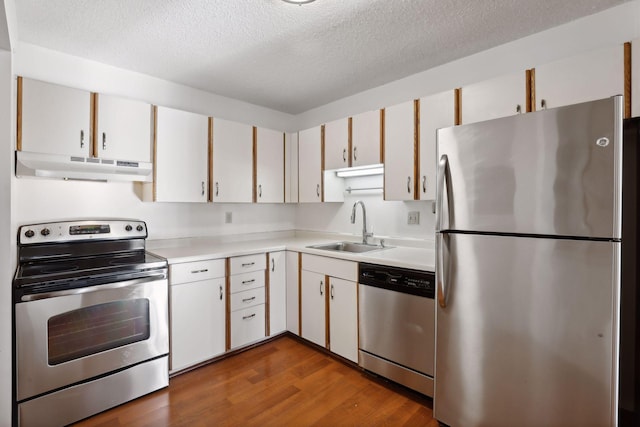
(204,270)
(248,264)
(321,288)
(220,293)
(248,299)
(249,316)
(246,282)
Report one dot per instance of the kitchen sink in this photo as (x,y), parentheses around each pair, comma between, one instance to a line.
(349,247)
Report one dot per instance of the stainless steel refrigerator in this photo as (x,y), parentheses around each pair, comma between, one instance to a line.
(528,246)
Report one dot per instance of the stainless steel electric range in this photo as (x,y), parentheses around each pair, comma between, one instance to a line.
(90,319)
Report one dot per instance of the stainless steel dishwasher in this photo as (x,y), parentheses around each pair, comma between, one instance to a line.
(397,325)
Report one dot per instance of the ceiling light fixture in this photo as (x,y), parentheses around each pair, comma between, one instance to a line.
(298,2)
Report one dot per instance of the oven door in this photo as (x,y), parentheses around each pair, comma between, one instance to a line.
(67,337)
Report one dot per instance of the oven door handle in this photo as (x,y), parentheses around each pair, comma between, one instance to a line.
(88,289)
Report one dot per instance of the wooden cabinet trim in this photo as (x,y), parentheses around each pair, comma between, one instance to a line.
(457,109)
(322,163)
(381,154)
(416,149)
(228,305)
(327,333)
(19,115)
(284,168)
(531,82)
(154,130)
(210,161)
(267,297)
(254,168)
(300,294)
(627,80)
(93,125)
(350,142)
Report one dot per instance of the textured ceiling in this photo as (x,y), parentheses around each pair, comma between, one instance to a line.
(283,56)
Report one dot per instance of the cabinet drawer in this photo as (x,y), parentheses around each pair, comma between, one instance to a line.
(246,263)
(347,270)
(194,271)
(246,281)
(247,325)
(241,300)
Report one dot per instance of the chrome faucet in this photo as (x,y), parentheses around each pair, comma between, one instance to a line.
(365,235)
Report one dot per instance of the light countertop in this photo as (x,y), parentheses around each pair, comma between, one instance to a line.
(419,256)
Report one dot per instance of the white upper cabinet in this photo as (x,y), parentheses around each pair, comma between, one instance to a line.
(436,111)
(291,168)
(232,162)
(53,119)
(123,129)
(490,99)
(399,152)
(336,144)
(181,163)
(310,165)
(269,166)
(593,75)
(365,138)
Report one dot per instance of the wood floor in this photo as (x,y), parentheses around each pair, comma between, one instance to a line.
(281,383)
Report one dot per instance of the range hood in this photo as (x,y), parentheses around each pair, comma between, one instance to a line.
(30,164)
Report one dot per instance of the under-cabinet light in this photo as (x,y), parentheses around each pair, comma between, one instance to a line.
(377,169)
(298,2)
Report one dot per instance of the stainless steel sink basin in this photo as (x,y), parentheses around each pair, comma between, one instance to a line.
(348,247)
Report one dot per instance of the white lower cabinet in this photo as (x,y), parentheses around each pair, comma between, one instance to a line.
(247,299)
(329,286)
(277,267)
(313,307)
(197,303)
(343,318)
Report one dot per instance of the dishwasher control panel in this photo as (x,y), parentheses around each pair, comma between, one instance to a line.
(415,282)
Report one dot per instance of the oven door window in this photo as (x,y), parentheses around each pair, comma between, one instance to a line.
(97,328)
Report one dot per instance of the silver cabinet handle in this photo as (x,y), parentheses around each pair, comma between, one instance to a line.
(217,189)
(321,288)
(408,184)
(518,109)
(204,270)
(355,153)
(260,190)
(273,264)
(331,291)
(81,138)
(249,316)
(203,188)
(220,292)
(441,279)
(248,299)
(318,190)
(104,140)
(543,104)
(246,282)
(248,264)
(424,183)
(344,154)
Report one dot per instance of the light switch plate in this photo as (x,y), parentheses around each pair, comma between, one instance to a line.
(414,218)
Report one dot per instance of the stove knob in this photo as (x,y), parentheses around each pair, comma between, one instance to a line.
(139,228)
(128,227)
(29,233)
(45,231)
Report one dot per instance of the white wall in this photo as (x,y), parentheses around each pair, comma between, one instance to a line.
(613,26)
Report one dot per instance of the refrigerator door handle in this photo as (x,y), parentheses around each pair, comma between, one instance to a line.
(441,279)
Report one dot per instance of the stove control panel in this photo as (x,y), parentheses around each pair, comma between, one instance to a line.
(66,231)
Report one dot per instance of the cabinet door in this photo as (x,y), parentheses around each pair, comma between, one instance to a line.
(365,139)
(291,168)
(343,318)
(399,152)
(336,144)
(436,111)
(269,166)
(232,162)
(309,166)
(123,129)
(293,302)
(197,322)
(313,307)
(587,77)
(500,97)
(277,292)
(54,119)
(181,165)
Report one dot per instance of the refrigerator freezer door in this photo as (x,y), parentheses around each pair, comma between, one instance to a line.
(529,333)
(553,172)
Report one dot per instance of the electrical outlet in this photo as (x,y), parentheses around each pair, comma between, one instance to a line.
(228,217)
(414,218)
